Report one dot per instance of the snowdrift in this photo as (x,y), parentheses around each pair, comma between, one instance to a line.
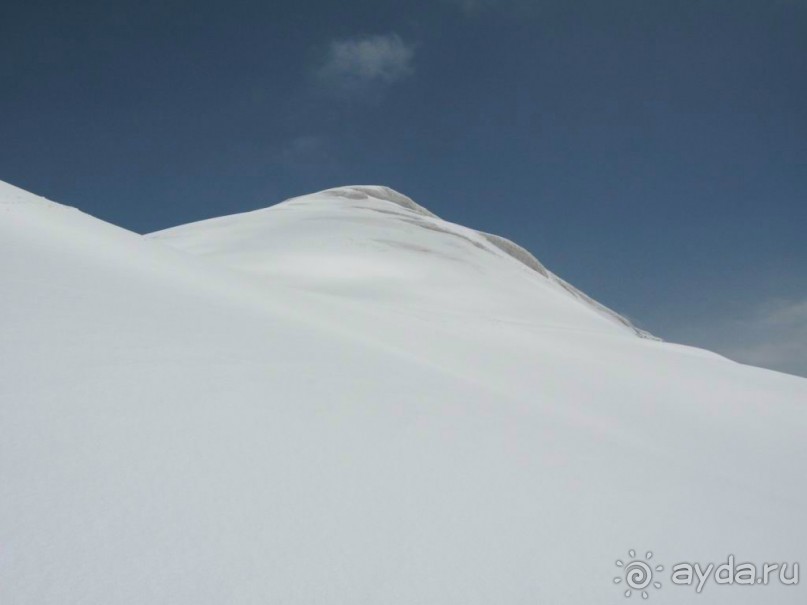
(345,399)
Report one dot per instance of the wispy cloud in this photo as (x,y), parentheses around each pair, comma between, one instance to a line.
(475,8)
(470,7)
(307,153)
(366,63)
(304,148)
(776,337)
(772,335)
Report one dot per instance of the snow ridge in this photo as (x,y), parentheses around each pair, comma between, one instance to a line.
(428,220)
(379,192)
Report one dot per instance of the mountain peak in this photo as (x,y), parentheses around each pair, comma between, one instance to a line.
(373,192)
(370,240)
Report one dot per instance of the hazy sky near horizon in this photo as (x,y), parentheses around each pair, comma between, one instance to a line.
(654,154)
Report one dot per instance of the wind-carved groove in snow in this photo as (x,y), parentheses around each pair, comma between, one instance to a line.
(525,257)
(517,252)
(601,308)
(436,227)
(502,244)
(385,194)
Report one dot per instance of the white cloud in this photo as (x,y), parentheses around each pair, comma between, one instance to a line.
(358,64)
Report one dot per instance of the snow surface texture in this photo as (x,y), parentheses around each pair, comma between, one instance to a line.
(344,399)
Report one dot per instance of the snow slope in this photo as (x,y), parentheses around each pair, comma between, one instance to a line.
(372,242)
(344,399)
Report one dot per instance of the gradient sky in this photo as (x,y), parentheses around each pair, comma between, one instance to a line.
(653,153)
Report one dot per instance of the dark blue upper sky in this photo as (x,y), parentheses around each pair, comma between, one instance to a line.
(653,153)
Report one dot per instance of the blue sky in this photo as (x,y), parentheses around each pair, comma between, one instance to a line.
(652,153)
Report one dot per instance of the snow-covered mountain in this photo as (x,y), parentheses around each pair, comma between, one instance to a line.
(374,243)
(344,399)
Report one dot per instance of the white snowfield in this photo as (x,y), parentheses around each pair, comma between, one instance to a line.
(343,399)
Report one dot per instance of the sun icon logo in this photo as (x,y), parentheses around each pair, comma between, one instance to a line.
(638,574)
